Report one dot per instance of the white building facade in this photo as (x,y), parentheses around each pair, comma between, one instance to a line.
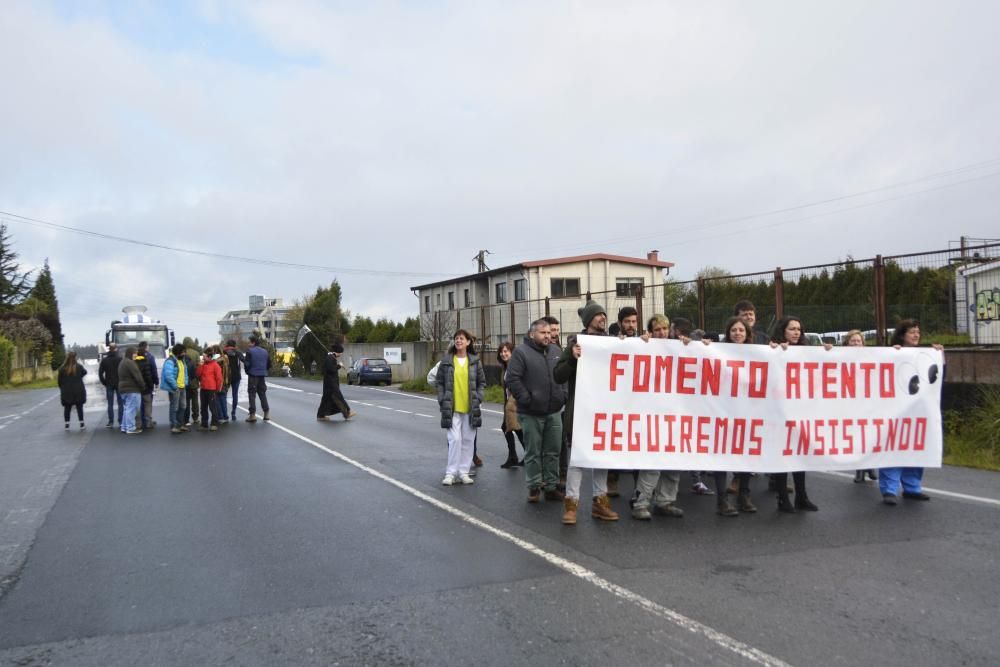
(268,316)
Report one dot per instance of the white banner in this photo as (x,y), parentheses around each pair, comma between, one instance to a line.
(663,405)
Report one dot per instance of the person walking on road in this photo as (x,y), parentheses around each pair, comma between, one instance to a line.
(257,363)
(174,381)
(210,375)
(222,396)
(460,383)
(107,373)
(72,393)
(147,366)
(131,384)
(333,401)
(236,361)
(540,399)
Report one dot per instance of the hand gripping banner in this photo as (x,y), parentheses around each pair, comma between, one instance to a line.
(662,405)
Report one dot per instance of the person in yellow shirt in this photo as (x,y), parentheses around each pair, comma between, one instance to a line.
(460,382)
(174,381)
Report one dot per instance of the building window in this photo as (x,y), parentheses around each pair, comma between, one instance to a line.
(520,289)
(451,301)
(468,299)
(427,304)
(565,287)
(501,292)
(437,299)
(628,286)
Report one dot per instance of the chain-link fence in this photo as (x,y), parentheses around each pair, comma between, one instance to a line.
(953,293)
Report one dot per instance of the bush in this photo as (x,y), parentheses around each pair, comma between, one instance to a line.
(6,359)
(494,394)
(418,385)
(973,438)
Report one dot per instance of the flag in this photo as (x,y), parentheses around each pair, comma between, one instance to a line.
(302,334)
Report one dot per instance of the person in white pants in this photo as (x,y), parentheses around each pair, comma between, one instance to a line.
(460,382)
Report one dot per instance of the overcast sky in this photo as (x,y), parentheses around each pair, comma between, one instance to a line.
(403,137)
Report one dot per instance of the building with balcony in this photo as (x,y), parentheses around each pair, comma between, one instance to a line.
(265,315)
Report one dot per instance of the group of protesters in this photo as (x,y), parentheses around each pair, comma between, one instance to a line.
(198,385)
(539,382)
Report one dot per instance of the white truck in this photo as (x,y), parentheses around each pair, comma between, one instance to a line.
(135,326)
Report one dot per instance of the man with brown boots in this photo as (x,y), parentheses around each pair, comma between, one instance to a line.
(594,321)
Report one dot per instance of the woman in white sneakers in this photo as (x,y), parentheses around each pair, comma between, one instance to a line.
(460,382)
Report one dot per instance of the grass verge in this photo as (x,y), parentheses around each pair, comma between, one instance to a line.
(37,384)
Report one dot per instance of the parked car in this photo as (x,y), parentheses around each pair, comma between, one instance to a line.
(813,338)
(370,371)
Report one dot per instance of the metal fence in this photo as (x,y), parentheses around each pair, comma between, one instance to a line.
(868,294)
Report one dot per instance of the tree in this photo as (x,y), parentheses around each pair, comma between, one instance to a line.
(14,284)
(361,329)
(44,292)
(328,321)
(409,332)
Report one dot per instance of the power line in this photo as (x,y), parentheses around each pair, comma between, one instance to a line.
(35,222)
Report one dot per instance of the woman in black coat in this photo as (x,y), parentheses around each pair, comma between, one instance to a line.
(333,401)
(71,389)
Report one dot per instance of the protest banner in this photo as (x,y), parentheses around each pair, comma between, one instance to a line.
(663,405)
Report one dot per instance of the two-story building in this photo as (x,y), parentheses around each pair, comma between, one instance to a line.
(264,315)
(499,304)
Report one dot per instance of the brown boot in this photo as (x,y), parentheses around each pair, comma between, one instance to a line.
(601,509)
(252,418)
(569,516)
(745,504)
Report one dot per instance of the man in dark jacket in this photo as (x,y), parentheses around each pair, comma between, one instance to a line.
(539,401)
(236,360)
(257,363)
(594,320)
(147,366)
(107,373)
(131,383)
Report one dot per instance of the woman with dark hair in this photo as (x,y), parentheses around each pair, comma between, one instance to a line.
(72,393)
(854,338)
(460,382)
(510,425)
(907,334)
(740,332)
(788,331)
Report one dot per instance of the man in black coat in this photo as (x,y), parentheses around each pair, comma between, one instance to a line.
(107,373)
(147,365)
(333,401)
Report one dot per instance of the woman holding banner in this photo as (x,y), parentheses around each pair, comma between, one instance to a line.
(737,331)
(855,338)
(788,331)
(907,334)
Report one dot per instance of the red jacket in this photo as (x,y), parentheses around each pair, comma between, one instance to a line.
(210,375)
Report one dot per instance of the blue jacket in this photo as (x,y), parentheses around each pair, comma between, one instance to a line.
(257,362)
(168,380)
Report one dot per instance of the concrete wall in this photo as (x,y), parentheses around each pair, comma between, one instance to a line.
(416,364)
(972,366)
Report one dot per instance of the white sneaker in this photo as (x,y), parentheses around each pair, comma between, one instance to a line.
(467,479)
(448,480)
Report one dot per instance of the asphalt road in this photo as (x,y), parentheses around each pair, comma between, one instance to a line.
(305,542)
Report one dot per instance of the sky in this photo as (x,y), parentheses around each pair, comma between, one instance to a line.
(383,144)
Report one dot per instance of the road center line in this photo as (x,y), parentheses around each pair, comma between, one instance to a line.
(720,639)
(424,398)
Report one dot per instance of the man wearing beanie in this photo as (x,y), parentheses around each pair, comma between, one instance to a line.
(333,401)
(594,321)
(539,398)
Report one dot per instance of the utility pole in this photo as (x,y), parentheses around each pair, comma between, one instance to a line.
(480,260)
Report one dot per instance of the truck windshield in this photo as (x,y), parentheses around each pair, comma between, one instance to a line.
(132,334)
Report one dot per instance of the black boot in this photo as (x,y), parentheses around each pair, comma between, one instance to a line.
(859,477)
(784,504)
(511,462)
(802,501)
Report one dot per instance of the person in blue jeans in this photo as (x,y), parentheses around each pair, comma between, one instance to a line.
(236,359)
(907,334)
(132,384)
(174,380)
(107,373)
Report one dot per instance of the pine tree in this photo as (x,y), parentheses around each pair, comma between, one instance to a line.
(44,292)
(14,285)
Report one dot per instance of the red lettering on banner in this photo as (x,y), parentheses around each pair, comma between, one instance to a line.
(734,366)
(710,370)
(684,373)
(702,435)
(598,432)
(810,368)
(878,436)
(640,373)
(616,435)
(792,378)
(867,367)
(739,433)
(833,436)
(755,437)
(888,384)
(664,370)
(848,387)
(670,419)
(828,379)
(905,430)
(863,425)
(848,438)
(616,369)
(686,428)
(721,424)
(633,434)
(789,427)
(653,429)
(803,446)
(920,434)
(758,379)
(818,438)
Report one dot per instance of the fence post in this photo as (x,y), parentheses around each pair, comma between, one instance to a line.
(513,325)
(701,303)
(482,328)
(547,312)
(638,307)
(436,331)
(878,277)
(779,294)
(458,319)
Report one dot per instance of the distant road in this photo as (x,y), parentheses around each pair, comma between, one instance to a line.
(305,542)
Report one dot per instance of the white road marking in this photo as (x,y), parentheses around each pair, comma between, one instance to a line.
(15,416)
(424,398)
(405,412)
(279,386)
(419,414)
(383,407)
(722,640)
(930,491)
